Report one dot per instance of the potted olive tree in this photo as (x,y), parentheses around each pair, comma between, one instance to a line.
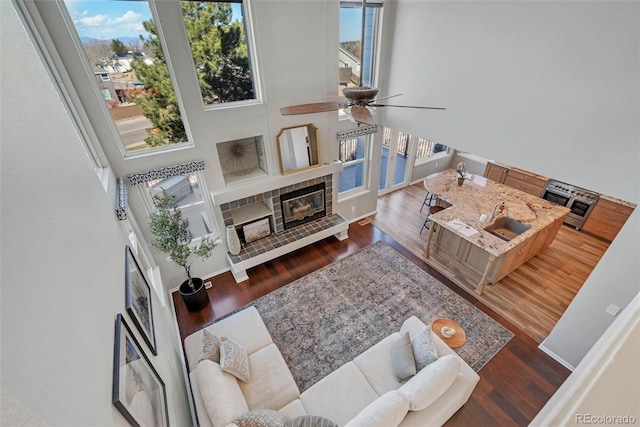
(173,237)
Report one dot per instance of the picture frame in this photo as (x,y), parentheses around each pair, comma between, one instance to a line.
(256,230)
(138,391)
(138,300)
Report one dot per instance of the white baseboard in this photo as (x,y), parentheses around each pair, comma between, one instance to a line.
(361,217)
(557,358)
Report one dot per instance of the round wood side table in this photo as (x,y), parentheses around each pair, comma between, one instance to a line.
(457,340)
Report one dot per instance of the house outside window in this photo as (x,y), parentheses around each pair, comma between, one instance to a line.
(121,39)
(122,43)
(352,46)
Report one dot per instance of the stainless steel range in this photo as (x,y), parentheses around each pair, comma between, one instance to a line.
(579,200)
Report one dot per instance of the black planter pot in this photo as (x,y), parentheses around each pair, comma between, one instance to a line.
(194,300)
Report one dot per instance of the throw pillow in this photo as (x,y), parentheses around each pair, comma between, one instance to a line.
(220,393)
(386,411)
(431,382)
(234,359)
(311,421)
(210,347)
(262,418)
(424,352)
(402,360)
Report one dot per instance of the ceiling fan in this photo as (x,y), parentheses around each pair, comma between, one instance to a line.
(356,101)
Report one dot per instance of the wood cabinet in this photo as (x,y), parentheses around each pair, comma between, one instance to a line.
(606,219)
(544,237)
(525,182)
(496,172)
(519,179)
(472,264)
(467,254)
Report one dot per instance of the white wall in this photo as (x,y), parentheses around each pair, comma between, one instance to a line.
(550,87)
(62,254)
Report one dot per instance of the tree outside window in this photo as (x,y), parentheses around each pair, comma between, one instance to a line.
(122,39)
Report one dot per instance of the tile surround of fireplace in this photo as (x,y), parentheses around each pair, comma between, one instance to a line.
(271,200)
(281,241)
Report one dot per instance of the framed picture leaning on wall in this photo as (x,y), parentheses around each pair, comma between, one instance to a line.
(138,391)
(138,300)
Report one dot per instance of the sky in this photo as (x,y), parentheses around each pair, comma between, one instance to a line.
(112,19)
(350,20)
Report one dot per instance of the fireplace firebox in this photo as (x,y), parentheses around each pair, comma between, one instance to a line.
(303,205)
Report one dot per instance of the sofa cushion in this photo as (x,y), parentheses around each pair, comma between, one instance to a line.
(271,385)
(386,411)
(424,352)
(375,364)
(234,359)
(402,360)
(340,395)
(261,418)
(244,327)
(430,383)
(311,421)
(293,409)
(222,407)
(413,325)
(210,347)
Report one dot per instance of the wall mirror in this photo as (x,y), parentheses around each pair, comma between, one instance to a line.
(298,148)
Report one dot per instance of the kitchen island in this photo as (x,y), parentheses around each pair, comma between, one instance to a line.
(459,247)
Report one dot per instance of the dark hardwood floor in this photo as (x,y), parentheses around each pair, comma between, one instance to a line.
(513,386)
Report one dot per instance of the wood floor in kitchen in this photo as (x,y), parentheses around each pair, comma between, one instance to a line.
(535,295)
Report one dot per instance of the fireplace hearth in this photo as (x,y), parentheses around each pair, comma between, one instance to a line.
(303,205)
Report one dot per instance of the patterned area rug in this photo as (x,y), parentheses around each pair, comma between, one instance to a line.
(325,319)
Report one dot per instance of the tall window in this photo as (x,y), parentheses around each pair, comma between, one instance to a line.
(220,50)
(123,42)
(352,44)
(120,40)
(354,153)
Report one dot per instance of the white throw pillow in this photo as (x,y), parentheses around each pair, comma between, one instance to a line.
(220,393)
(430,383)
(386,411)
(234,359)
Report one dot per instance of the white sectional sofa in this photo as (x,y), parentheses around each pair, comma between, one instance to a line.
(363,392)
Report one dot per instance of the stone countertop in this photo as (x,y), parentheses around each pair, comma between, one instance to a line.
(619,201)
(479,195)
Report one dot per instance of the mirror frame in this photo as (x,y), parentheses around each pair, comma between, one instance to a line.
(311,129)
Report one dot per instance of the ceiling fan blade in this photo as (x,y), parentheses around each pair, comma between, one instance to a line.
(318,107)
(386,97)
(407,106)
(361,115)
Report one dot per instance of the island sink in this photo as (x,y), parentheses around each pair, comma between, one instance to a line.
(506,228)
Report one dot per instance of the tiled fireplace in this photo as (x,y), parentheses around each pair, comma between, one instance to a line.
(272,201)
(298,215)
